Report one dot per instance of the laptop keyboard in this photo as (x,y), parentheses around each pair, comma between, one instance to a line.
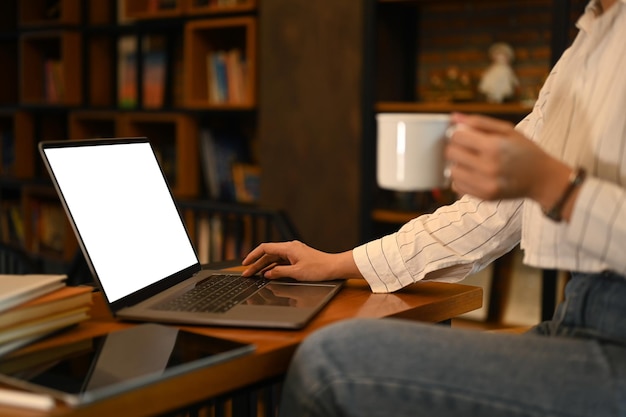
(215,294)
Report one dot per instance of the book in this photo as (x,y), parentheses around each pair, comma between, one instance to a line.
(154,71)
(65,298)
(43,326)
(49,220)
(219,152)
(20,361)
(247,180)
(209,163)
(235,76)
(127,72)
(6,348)
(226,73)
(18,289)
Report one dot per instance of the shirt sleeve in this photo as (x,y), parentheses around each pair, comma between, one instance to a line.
(598,224)
(447,245)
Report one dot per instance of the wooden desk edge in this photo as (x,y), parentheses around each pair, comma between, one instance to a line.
(421,301)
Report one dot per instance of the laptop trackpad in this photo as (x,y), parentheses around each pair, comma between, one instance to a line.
(290,295)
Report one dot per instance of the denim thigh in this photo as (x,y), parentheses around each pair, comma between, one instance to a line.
(398,368)
(594,307)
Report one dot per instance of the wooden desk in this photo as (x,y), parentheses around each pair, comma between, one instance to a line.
(430,302)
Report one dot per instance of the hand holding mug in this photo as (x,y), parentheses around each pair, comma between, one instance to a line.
(489,159)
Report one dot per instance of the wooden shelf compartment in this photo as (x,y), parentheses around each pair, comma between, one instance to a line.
(47,230)
(18,145)
(49,13)
(444,107)
(11,220)
(194,7)
(150,9)
(100,12)
(51,68)
(93,124)
(203,39)
(9,71)
(101,59)
(174,137)
(159,85)
(8,15)
(394,216)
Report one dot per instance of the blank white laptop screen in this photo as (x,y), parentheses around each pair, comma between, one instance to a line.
(111,190)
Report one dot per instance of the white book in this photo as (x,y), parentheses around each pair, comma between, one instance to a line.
(17,289)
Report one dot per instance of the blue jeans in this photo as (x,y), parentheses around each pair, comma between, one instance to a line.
(573,365)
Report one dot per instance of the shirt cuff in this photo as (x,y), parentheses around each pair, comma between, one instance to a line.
(381,265)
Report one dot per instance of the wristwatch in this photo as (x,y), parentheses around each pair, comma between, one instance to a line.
(576,179)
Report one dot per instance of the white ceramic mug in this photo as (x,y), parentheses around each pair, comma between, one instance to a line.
(410,150)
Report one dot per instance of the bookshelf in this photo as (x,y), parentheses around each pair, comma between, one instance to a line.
(317,73)
(221,55)
(65,78)
(47,231)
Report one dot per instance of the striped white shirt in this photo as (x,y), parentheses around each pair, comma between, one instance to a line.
(579,117)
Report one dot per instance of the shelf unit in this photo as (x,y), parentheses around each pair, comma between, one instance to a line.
(65,81)
(317,74)
(213,49)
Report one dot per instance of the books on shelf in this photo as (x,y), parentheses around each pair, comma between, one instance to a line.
(11,222)
(226,75)
(154,71)
(220,236)
(127,72)
(49,221)
(247,182)
(53,81)
(35,306)
(220,153)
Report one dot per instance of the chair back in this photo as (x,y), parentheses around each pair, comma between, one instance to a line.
(14,260)
(224,231)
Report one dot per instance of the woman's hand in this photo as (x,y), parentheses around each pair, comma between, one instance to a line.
(489,159)
(299,261)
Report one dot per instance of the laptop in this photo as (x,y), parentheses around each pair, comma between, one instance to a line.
(132,235)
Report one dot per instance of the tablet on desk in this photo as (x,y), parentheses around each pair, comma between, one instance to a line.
(103,366)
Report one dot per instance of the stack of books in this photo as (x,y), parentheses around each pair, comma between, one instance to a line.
(35,306)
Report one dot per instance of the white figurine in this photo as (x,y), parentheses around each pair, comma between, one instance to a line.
(499,81)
